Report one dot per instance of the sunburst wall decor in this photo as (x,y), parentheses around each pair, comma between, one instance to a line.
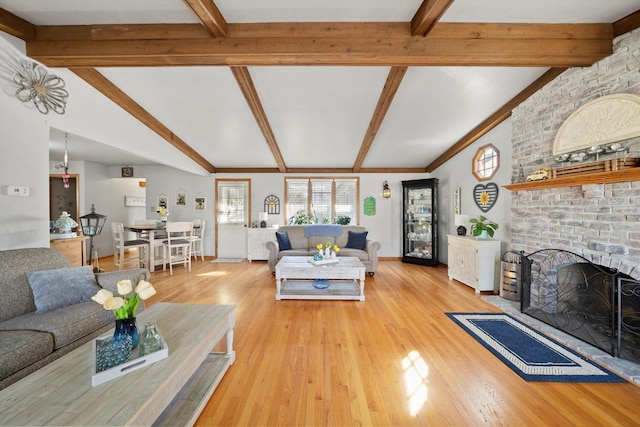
(485,196)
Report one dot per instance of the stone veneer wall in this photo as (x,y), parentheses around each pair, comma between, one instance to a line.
(600,222)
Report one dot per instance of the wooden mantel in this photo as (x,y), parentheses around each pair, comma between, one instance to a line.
(632,174)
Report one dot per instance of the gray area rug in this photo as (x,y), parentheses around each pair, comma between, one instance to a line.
(227,260)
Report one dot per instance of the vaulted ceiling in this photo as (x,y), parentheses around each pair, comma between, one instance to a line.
(354,86)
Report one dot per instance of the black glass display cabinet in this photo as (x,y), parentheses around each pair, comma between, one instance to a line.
(420,221)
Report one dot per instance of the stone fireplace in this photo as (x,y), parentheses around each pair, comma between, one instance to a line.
(601,222)
(588,285)
(596,304)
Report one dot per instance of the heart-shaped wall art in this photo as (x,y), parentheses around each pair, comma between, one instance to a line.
(485,196)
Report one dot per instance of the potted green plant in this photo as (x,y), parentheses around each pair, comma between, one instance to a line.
(482,227)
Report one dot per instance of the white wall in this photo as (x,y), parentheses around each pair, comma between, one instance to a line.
(24,139)
(457,173)
(385,226)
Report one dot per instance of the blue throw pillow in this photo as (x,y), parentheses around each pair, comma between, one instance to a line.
(357,240)
(62,287)
(283,241)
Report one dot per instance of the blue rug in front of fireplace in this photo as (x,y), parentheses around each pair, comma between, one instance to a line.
(531,354)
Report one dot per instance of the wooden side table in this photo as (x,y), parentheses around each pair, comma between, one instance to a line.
(74,249)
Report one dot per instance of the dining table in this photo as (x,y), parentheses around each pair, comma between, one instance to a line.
(152,233)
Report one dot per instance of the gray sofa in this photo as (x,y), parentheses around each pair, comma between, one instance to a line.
(28,340)
(306,246)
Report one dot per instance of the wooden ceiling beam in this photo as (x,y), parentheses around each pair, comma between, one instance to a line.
(428,14)
(251,95)
(16,26)
(210,16)
(495,119)
(111,91)
(548,45)
(332,30)
(396,74)
(626,24)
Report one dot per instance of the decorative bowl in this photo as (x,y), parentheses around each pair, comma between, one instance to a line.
(321,283)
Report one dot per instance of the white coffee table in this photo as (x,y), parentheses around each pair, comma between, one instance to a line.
(172,391)
(295,276)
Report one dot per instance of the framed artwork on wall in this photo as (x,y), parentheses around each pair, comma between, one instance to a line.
(163,201)
(199,203)
(181,198)
(456,201)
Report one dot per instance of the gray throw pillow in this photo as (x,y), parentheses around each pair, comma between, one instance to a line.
(61,287)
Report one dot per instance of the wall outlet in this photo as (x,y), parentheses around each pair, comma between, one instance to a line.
(14,190)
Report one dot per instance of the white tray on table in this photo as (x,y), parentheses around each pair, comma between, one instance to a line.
(324,261)
(134,363)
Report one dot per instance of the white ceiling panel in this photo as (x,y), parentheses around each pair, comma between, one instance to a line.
(319,115)
(86,12)
(247,11)
(436,106)
(540,11)
(203,106)
(94,117)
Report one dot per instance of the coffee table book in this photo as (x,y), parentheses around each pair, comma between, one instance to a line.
(129,366)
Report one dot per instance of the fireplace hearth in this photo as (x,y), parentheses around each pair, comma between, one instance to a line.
(596,304)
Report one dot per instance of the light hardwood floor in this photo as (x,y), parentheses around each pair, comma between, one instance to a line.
(393,360)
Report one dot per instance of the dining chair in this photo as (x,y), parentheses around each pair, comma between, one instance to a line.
(197,238)
(177,248)
(120,244)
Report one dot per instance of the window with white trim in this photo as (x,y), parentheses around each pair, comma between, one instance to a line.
(321,200)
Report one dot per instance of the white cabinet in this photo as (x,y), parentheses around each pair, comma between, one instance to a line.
(474,262)
(256,239)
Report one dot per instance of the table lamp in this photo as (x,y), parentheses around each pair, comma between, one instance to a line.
(263,217)
(461,221)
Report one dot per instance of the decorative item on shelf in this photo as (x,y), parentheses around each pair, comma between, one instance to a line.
(150,341)
(65,224)
(320,283)
(482,227)
(263,217)
(542,173)
(461,221)
(110,353)
(46,91)
(302,217)
(342,220)
(485,195)
(272,204)
(163,212)
(520,171)
(92,224)
(127,328)
(386,191)
(125,306)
